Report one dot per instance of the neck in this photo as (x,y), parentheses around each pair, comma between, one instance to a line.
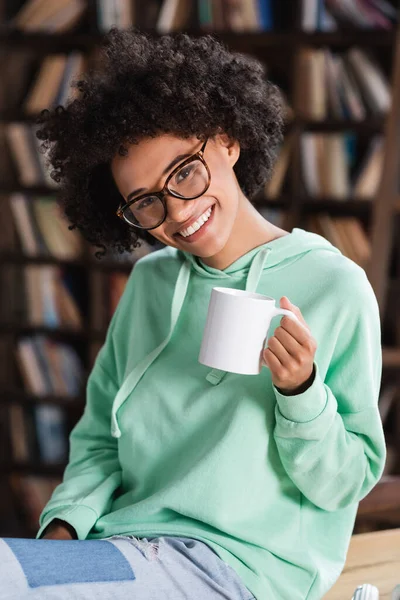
(250,230)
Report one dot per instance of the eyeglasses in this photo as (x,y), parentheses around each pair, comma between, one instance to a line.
(188,181)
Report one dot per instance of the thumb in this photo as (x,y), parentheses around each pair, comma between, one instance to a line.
(285,302)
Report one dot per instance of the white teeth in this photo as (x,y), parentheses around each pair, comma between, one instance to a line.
(197,224)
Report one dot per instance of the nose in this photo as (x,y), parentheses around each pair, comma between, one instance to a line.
(178,210)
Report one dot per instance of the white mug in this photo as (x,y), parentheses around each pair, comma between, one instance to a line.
(236,330)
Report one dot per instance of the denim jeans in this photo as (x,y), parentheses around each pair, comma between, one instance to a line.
(116,568)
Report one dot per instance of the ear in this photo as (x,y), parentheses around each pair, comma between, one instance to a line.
(230,146)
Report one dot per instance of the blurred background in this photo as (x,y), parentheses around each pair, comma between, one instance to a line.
(337,174)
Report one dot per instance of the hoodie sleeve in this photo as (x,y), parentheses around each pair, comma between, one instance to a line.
(93,472)
(330,438)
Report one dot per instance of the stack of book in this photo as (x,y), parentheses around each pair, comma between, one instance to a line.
(347,86)
(30,162)
(346,233)
(42,228)
(47,368)
(329,15)
(275,186)
(52,84)
(47,16)
(243,15)
(327,161)
(119,13)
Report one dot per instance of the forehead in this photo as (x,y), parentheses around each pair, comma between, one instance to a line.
(151,153)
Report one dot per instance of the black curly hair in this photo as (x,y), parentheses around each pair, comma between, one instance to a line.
(145,85)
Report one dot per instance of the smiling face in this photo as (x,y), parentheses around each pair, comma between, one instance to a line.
(145,169)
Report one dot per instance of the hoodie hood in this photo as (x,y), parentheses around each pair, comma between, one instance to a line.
(272,255)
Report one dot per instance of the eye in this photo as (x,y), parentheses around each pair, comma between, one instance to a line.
(184,173)
(145,203)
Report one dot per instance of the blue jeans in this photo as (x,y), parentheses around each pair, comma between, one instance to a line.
(116,568)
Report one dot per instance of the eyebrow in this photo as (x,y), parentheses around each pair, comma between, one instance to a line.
(172,164)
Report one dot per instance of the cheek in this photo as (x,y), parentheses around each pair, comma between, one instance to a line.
(223,179)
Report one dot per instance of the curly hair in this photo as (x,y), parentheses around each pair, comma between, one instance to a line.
(146,86)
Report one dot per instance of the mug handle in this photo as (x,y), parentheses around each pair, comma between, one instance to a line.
(288,313)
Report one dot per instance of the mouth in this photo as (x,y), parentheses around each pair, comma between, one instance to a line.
(193,237)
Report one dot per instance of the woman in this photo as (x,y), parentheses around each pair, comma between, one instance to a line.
(211,484)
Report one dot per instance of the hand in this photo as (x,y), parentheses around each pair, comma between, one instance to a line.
(290,353)
(59,530)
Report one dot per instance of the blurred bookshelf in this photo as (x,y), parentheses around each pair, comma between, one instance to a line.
(336,69)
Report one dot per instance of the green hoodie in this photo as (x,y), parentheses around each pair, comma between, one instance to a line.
(167,446)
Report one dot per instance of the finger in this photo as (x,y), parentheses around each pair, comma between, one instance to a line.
(300,333)
(279,351)
(288,341)
(271,361)
(295,309)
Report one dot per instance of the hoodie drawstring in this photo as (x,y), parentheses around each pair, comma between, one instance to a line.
(137,372)
(215,375)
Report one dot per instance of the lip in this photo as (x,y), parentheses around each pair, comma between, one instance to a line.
(200,232)
(193,220)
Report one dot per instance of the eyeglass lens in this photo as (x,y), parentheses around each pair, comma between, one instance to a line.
(189,182)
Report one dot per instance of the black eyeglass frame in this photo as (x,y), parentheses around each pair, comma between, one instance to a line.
(164,191)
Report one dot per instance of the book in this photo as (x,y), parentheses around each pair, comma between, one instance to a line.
(335,166)
(332,75)
(359,14)
(46,85)
(250,15)
(318,92)
(308,157)
(351,93)
(33,293)
(375,87)
(66,306)
(265,15)
(75,67)
(23,224)
(53,358)
(30,368)
(309,15)
(41,15)
(21,147)
(71,369)
(60,241)
(367,180)
(18,433)
(173,15)
(346,244)
(327,228)
(358,238)
(51,433)
(273,187)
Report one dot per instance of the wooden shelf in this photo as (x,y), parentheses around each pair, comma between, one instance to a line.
(391,359)
(35,190)
(385,496)
(348,37)
(48,42)
(370,125)
(348,208)
(17,258)
(73,403)
(32,468)
(290,38)
(58,332)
